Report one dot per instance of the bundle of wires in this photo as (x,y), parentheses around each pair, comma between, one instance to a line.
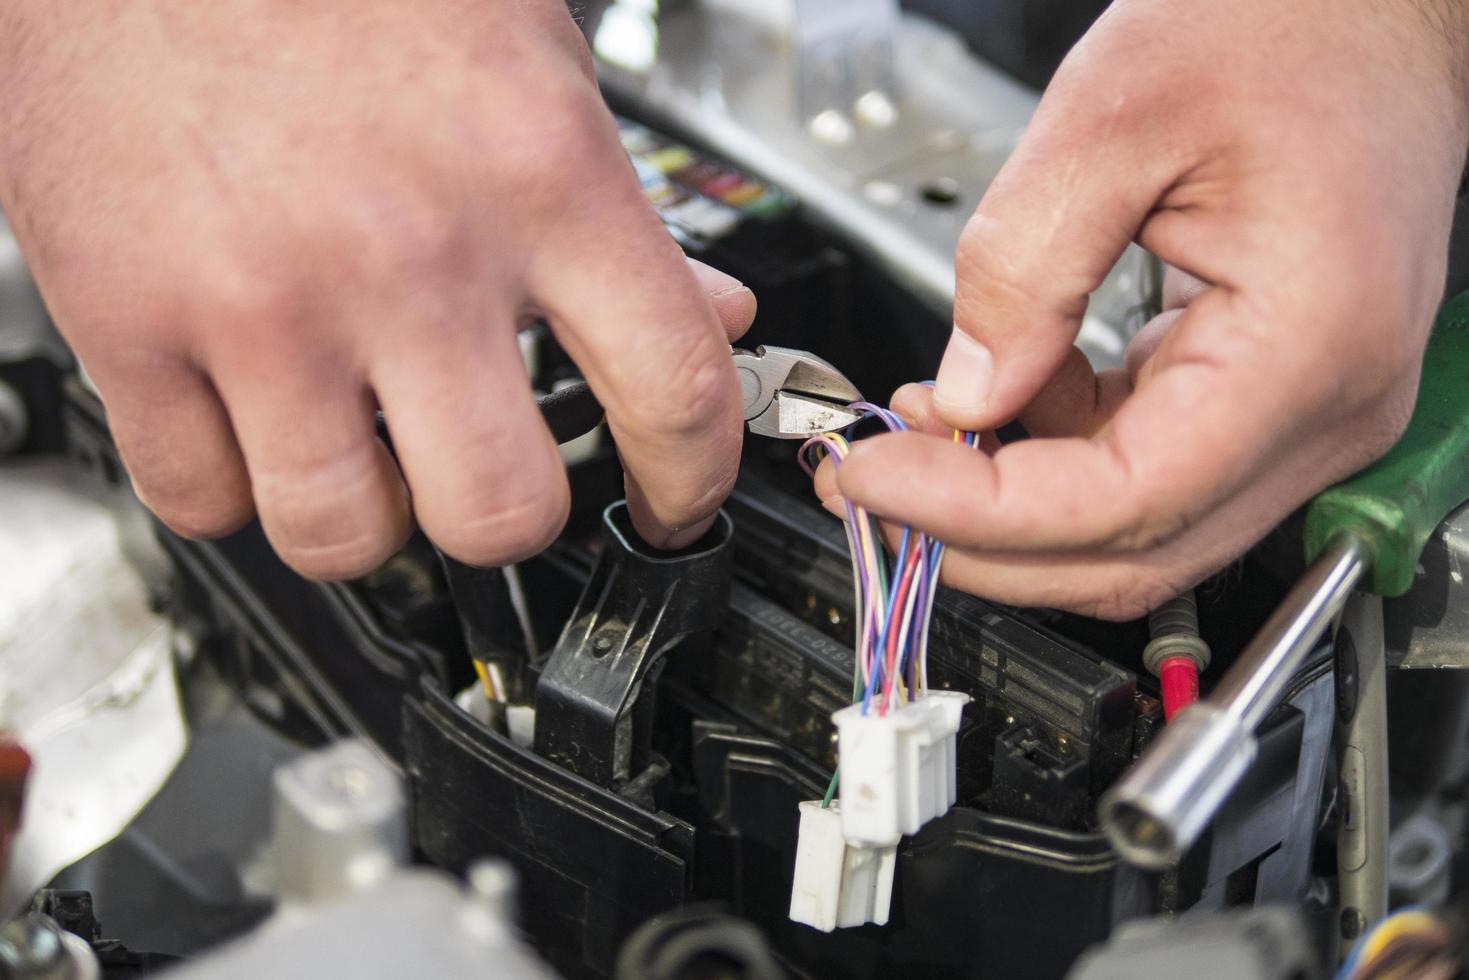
(894,591)
(1412,942)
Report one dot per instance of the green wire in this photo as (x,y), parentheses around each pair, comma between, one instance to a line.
(831,788)
(882,584)
(882,565)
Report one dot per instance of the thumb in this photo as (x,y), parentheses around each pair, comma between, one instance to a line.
(1048,230)
(733,302)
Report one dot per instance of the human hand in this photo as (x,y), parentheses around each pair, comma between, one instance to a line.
(257,222)
(1299,161)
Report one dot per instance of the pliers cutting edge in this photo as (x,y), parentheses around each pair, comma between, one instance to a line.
(788,394)
(791,394)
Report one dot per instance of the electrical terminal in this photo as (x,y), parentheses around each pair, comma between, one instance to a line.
(898,768)
(838,884)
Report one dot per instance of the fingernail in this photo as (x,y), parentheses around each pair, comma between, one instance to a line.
(836,505)
(713,281)
(965,376)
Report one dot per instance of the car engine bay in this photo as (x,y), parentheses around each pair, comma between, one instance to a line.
(592,763)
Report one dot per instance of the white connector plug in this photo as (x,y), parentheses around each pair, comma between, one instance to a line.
(897,769)
(838,884)
(897,773)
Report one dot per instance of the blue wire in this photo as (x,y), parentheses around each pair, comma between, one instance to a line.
(904,664)
(1354,959)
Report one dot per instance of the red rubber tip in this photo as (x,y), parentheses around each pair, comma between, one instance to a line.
(1179,677)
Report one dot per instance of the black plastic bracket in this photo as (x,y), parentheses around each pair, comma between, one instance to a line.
(593,701)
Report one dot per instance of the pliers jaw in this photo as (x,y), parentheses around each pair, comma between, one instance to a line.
(791,394)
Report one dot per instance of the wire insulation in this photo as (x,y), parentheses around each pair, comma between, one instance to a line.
(894,590)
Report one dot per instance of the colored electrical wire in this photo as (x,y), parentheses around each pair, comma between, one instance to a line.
(490,679)
(831,787)
(484,678)
(1410,942)
(894,590)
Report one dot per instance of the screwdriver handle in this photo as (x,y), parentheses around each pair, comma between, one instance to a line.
(1397,502)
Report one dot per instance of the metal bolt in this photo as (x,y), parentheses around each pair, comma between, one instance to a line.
(32,946)
(340,823)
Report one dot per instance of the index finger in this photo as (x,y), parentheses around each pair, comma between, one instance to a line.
(626,306)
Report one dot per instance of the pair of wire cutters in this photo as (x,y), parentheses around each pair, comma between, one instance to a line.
(788,394)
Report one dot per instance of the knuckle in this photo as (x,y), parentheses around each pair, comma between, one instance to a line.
(238,300)
(573,124)
(999,284)
(234,312)
(1088,96)
(698,392)
(570,122)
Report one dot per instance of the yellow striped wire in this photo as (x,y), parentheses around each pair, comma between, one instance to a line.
(484,678)
(1390,929)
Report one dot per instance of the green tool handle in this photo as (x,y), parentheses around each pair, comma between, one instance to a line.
(1395,504)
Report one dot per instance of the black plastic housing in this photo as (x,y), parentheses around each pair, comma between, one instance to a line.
(594,703)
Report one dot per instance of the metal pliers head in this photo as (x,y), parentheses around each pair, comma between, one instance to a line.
(790,394)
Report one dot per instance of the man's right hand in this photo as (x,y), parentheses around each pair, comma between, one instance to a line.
(256,222)
(1298,161)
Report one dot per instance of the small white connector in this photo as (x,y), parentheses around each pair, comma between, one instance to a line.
(897,773)
(897,769)
(838,884)
(948,712)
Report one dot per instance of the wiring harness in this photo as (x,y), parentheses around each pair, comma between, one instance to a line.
(1411,942)
(896,742)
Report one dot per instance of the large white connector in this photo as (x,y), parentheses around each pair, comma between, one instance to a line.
(838,884)
(897,769)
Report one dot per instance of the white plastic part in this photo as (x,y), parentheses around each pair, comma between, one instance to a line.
(520,722)
(837,884)
(86,667)
(897,769)
(948,711)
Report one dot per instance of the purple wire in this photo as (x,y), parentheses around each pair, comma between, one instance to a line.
(870,638)
(922,588)
(888,417)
